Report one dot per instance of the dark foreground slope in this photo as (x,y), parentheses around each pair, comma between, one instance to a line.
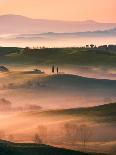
(7,148)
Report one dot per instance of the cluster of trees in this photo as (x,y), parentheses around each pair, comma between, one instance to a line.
(78,133)
(35,50)
(72,133)
(105,47)
(110,47)
(41,136)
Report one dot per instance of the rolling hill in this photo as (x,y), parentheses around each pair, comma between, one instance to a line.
(70,82)
(61,56)
(103,113)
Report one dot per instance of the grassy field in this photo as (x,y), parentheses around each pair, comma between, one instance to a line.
(67,56)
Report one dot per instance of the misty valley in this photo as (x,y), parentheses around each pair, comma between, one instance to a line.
(58,97)
(57,77)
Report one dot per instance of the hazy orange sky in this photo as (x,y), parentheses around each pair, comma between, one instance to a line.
(75,10)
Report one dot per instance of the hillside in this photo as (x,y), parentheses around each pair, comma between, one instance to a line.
(7,148)
(61,56)
(8,50)
(103,113)
(76,81)
(68,83)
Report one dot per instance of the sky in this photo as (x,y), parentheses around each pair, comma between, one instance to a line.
(70,10)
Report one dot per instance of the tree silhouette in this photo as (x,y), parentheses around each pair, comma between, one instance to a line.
(71,132)
(42,133)
(37,139)
(85,133)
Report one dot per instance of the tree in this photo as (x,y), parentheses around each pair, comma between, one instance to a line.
(57,69)
(53,69)
(42,133)
(85,134)
(27,50)
(92,46)
(37,139)
(71,132)
(87,46)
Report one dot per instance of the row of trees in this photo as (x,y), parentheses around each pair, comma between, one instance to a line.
(35,49)
(41,135)
(81,133)
(72,133)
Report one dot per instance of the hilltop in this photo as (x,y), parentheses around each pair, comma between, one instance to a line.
(69,82)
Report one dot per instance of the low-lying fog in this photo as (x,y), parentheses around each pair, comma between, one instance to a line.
(52,41)
(24,101)
(52,98)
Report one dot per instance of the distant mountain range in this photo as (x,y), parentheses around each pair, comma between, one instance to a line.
(105,33)
(16,24)
(54,35)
